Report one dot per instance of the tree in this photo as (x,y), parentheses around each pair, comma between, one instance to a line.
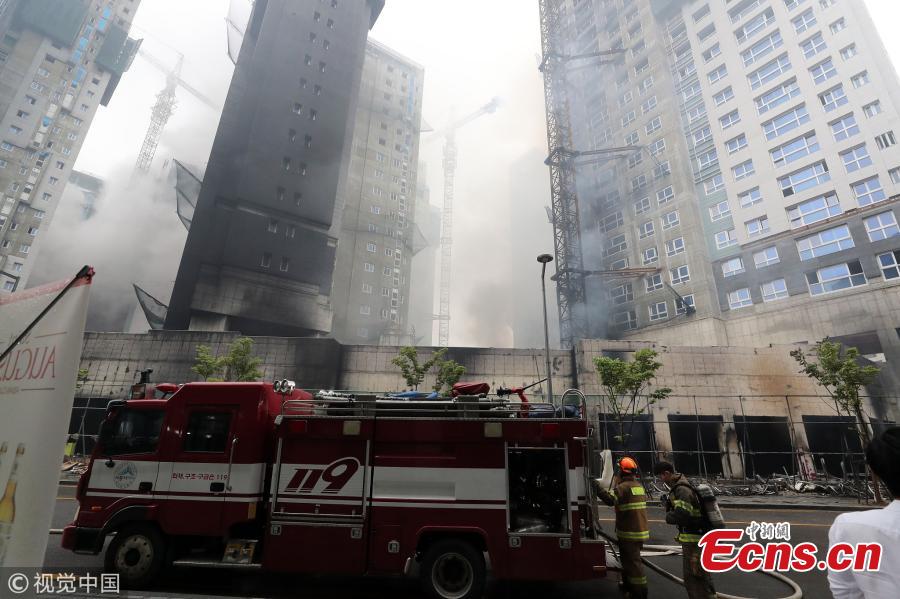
(208,366)
(413,372)
(448,374)
(81,378)
(240,363)
(627,388)
(837,370)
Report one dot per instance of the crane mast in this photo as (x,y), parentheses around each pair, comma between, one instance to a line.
(449,164)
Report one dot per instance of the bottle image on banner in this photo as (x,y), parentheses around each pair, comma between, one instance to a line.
(8,503)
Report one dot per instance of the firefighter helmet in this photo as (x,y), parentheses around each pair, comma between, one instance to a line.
(628,464)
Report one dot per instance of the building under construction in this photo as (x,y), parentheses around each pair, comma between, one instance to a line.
(59,62)
(379,234)
(260,254)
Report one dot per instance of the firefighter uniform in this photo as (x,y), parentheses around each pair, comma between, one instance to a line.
(629,500)
(684,510)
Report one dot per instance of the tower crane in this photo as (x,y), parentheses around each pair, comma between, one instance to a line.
(164,107)
(449,164)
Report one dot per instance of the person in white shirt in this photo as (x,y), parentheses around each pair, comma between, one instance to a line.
(873,526)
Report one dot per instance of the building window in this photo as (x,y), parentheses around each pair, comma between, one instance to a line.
(885,140)
(761,48)
(642,205)
(844,127)
(736,144)
(838,25)
(716,75)
(774,290)
(664,196)
(804,179)
(674,246)
(833,99)
(786,122)
(621,294)
(777,96)
(730,119)
(658,311)
(869,191)
(649,256)
(266,260)
(813,45)
(743,170)
(825,242)
(365,310)
(669,220)
(732,267)
(645,229)
(369,267)
(860,79)
(719,211)
(835,278)
(766,257)
(803,22)
(794,150)
(757,226)
(648,105)
(707,159)
(272,226)
(823,71)
(889,263)
(814,210)
(680,274)
(625,320)
(881,226)
(769,71)
(712,52)
(725,239)
(713,185)
(723,96)
(702,136)
(654,282)
(370,247)
(849,52)
(856,158)
(739,298)
(285,264)
(386,271)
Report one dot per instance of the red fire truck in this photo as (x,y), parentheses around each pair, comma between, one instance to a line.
(256,476)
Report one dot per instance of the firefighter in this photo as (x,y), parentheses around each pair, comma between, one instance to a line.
(628,497)
(683,509)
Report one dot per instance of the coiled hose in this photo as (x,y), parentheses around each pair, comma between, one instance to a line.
(676,550)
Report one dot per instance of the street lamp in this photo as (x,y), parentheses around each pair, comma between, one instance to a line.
(544,259)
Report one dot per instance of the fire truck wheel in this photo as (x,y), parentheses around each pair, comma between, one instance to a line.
(137,554)
(453,569)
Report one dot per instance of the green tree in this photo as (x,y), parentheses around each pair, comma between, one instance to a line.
(448,374)
(838,370)
(208,366)
(627,388)
(240,363)
(412,371)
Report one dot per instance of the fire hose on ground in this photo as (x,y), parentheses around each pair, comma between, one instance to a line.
(659,550)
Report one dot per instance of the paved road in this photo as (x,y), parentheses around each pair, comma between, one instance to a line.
(805,526)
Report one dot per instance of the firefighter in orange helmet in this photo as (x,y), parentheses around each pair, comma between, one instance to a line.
(628,498)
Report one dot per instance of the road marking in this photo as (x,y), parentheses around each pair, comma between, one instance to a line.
(64,498)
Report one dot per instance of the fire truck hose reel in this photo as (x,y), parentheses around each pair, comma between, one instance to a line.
(660,550)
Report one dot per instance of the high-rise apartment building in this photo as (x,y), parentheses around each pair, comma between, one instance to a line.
(378,238)
(59,61)
(766,188)
(260,254)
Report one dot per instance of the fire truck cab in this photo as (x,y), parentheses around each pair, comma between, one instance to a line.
(247,475)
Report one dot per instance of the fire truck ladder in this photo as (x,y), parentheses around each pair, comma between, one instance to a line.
(570,288)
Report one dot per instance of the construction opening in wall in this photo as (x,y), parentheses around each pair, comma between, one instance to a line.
(765,445)
(635,437)
(697,444)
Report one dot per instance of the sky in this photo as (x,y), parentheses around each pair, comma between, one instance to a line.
(472,50)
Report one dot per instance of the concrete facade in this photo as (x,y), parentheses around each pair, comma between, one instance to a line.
(378,238)
(59,62)
(260,254)
(720,392)
(776,121)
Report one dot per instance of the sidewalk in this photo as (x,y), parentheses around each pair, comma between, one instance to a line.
(795,501)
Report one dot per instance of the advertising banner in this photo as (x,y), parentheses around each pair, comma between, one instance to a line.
(37,386)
